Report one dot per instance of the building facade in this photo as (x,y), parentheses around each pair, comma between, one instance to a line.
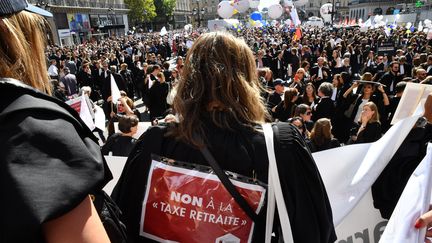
(182,13)
(78,21)
(363,9)
(203,11)
(312,8)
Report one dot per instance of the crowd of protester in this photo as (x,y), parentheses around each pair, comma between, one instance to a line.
(338,74)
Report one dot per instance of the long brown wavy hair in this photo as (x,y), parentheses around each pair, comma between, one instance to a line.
(219,81)
(22,46)
(321,132)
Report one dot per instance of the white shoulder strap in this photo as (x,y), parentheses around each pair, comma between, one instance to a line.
(275,192)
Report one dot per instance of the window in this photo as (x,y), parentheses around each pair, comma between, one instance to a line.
(94,20)
(61,20)
(119,19)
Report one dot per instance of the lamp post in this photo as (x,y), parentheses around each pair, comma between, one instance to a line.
(111,17)
(333,12)
(199,12)
(144,24)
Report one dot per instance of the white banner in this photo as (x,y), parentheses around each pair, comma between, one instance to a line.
(413,202)
(348,173)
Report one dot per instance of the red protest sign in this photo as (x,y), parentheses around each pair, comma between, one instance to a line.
(183,205)
(75,104)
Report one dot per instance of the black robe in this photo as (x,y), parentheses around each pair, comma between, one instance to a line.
(242,151)
(49,161)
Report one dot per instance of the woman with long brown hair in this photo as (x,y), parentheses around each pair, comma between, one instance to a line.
(285,109)
(218,105)
(50,162)
(321,137)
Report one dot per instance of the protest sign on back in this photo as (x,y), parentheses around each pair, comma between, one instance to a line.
(187,205)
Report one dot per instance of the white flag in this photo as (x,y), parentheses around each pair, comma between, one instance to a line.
(85,114)
(413,202)
(99,118)
(115,92)
(294,16)
(163,31)
(368,23)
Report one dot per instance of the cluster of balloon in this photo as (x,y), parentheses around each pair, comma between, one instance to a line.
(256,16)
(226,9)
(275,11)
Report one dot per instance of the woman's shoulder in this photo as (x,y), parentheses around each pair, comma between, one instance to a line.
(334,142)
(374,124)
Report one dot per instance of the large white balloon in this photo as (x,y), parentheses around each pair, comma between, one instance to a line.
(241,5)
(266,4)
(275,11)
(225,9)
(325,11)
(254,3)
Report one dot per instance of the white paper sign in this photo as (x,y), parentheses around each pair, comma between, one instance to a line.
(414,96)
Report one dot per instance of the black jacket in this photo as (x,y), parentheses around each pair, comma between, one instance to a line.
(324,108)
(49,161)
(389,186)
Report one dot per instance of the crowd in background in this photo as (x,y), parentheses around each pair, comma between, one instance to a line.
(338,86)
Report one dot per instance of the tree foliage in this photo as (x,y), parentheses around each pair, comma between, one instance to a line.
(141,10)
(165,8)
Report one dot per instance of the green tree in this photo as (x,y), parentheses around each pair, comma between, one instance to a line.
(141,10)
(165,8)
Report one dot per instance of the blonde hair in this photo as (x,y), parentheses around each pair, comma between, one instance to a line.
(219,81)
(375,117)
(22,49)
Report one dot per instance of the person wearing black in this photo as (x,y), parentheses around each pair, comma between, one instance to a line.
(285,109)
(304,111)
(120,144)
(391,78)
(84,77)
(298,82)
(294,60)
(369,126)
(321,137)
(394,102)
(157,93)
(128,79)
(389,186)
(226,109)
(275,98)
(279,67)
(405,69)
(106,89)
(325,107)
(50,161)
(355,102)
